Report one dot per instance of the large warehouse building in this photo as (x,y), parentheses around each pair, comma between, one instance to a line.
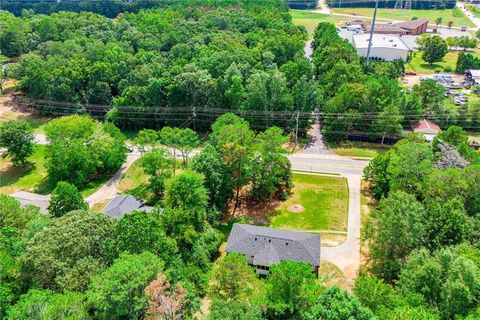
(384,47)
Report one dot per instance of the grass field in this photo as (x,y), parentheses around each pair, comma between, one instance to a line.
(421,67)
(29,178)
(358,149)
(325,203)
(457,16)
(474,10)
(311,19)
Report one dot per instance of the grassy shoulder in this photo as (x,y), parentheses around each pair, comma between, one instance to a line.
(330,275)
(458,18)
(358,149)
(310,20)
(317,203)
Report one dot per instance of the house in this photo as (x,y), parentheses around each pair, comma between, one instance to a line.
(264,247)
(32,199)
(411,27)
(124,204)
(384,47)
(427,128)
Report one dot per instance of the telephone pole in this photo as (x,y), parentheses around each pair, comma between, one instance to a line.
(296,130)
(371,33)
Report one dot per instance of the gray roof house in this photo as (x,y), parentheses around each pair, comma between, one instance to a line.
(124,204)
(264,247)
(33,199)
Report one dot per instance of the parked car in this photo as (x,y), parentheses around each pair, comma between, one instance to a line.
(410,73)
(405,81)
(422,78)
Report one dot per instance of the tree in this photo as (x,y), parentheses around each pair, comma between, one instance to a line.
(39,305)
(17,137)
(143,231)
(450,24)
(447,282)
(466,42)
(13,215)
(157,164)
(438,21)
(446,223)
(389,122)
(290,289)
(187,141)
(81,149)
(164,302)
(65,198)
(118,292)
(67,252)
(454,135)
(434,50)
(218,180)
(410,164)
(233,279)
(146,137)
(169,137)
(186,192)
(233,310)
(336,304)
(271,172)
(394,231)
(233,139)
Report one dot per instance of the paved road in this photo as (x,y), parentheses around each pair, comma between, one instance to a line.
(475,20)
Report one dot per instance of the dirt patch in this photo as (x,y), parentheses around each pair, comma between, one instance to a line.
(258,212)
(295,208)
(14,105)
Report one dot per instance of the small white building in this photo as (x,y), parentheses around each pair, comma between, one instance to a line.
(384,46)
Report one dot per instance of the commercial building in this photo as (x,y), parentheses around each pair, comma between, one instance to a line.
(264,247)
(411,27)
(384,47)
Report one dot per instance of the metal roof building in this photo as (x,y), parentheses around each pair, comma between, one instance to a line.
(264,247)
(384,47)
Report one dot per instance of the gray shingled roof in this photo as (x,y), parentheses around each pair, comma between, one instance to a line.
(124,204)
(268,246)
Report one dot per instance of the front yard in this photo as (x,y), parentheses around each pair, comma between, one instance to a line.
(317,203)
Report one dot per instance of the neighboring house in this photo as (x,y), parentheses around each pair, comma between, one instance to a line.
(427,128)
(383,47)
(411,27)
(264,247)
(28,198)
(124,204)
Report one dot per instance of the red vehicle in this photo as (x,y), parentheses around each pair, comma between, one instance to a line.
(410,73)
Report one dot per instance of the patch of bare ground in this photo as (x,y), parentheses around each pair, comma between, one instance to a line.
(295,208)
(15,106)
(257,212)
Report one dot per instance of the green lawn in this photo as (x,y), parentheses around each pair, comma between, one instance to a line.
(421,67)
(358,149)
(457,16)
(311,19)
(135,181)
(325,203)
(34,178)
(30,178)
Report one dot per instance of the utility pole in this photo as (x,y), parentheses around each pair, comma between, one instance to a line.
(296,131)
(371,33)
(194,115)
